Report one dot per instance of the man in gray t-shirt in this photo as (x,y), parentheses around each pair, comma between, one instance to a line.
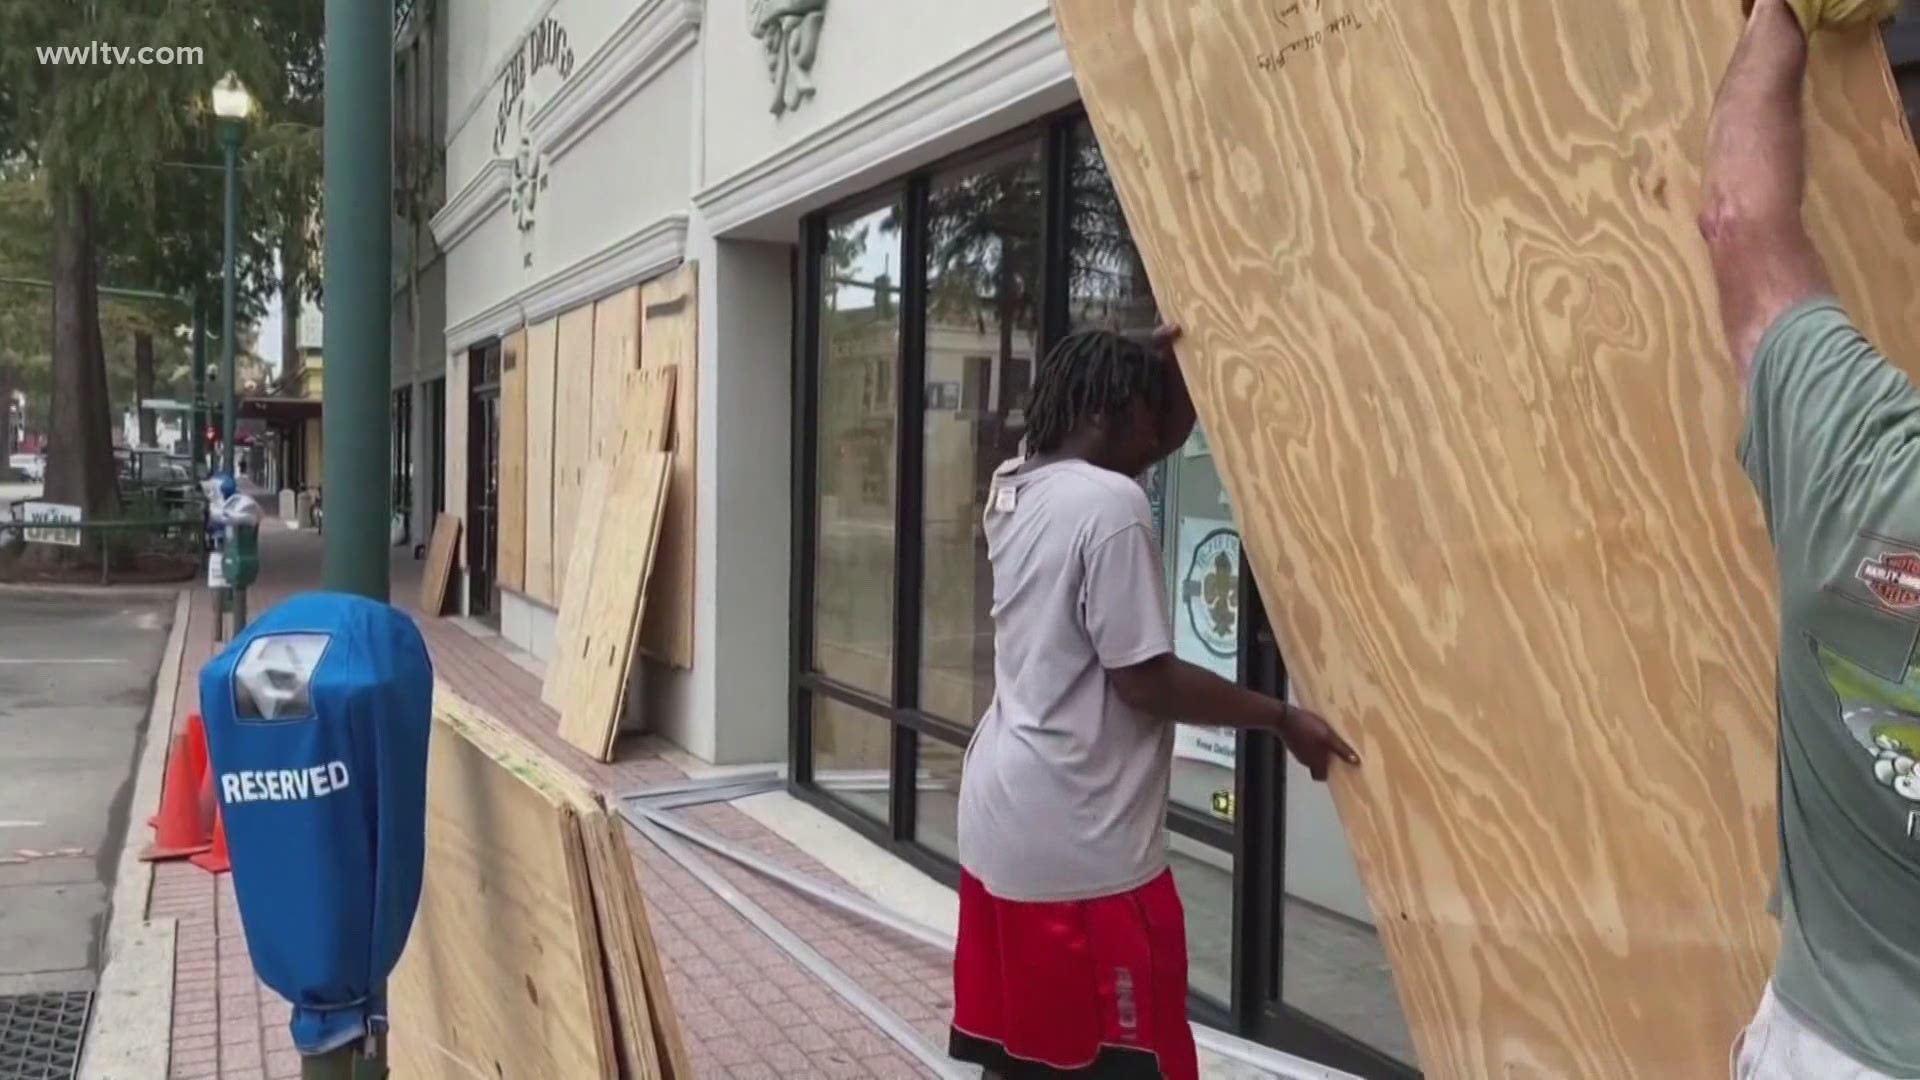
(1072,947)
(1832,444)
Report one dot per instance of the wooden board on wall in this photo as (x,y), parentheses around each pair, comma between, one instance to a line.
(502,973)
(572,432)
(616,356)
(538,579)
(512,554)
(670,337)
(439,568)
(455,452)
(1454,341)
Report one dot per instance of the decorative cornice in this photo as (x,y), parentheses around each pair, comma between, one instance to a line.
(657,33)
(483,193)
(1018,63)
(493,321)
(478,95)
(646,253)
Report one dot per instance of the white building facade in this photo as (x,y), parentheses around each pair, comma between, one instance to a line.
(885,211)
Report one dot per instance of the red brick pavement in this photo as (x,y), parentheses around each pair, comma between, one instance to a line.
(748,1009)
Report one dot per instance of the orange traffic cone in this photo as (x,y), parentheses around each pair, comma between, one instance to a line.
(184,825)
(215,860)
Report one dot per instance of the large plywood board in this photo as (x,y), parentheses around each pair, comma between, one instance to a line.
(503,971)
(616,356)
(538,580)
(572,431)
(454,454)
(439,568)
(647,416)
(573,597)
(1454,341)
(623,561)
(512,555)
(670,338)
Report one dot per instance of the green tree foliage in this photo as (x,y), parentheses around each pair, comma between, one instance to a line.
(120,162)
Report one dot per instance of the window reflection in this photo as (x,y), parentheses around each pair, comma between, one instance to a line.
(859,363)
(983,317)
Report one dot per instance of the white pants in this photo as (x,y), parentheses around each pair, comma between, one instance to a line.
(1777,1046)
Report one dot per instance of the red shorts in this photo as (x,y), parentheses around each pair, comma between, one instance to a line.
(1089,988)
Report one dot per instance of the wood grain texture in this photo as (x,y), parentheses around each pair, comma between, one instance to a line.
(1453,338)
(455,452)
(616,356)
(542,340)
(573,600)
(512,554)
(572,432)
(645,1030)
(670,338)
(439,568)
(502,973)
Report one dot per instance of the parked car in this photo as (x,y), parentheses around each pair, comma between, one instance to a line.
(30,467)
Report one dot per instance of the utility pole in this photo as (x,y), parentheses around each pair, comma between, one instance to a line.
(358,281)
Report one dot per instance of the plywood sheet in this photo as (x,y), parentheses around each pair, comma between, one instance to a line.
(573,600)
(439,568)
(512,555)
(502,973)
(459,402)
(623,559)
(616,356)
(670,338)
(1453,339)
(572,432)
(648,413)
(541,387)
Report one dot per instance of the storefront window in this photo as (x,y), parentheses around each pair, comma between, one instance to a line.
(852,751)
(983,262)
(859,369)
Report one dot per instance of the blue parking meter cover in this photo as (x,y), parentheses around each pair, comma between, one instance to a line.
(317,719)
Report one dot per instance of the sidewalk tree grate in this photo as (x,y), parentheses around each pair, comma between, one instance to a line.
(40,1035)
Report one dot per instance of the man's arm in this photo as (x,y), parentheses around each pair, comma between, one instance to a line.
(1169,687)
(1755,178)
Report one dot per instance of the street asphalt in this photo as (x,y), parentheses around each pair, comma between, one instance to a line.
(76,679)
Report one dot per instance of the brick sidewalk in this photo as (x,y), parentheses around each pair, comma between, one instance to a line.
(748,1009)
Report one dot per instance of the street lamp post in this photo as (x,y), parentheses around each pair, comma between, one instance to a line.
(232,104)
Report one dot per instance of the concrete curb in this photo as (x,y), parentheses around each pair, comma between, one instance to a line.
(129,1035)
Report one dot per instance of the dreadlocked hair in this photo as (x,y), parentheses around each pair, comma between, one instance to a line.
(1091,375)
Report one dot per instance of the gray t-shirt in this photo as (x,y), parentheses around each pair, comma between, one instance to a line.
(1064,792)
(1833,447)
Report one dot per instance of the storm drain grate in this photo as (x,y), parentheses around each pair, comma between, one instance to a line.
(40,1035)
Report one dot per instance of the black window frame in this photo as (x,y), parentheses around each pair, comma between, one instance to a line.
(1255,839)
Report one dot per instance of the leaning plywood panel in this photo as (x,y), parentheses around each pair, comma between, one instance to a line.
(616,356)
(439,568)
(502,975)
(1453,339)
(670,338)
(538,579)
(455,452)
(572,432)
(512,535)
(648,411)
(573,599)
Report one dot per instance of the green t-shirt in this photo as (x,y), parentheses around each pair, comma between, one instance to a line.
(1833,447)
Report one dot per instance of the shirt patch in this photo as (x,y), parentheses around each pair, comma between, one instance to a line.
(1893,578)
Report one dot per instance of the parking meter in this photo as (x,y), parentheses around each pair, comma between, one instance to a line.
(317,719)
(238,519)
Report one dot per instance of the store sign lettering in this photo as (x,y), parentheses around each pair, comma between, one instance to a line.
(546,46)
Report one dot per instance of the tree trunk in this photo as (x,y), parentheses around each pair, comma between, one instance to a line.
(143,386)
(11,419)
(80,468)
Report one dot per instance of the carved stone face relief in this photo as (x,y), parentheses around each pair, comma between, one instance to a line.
(789,31)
